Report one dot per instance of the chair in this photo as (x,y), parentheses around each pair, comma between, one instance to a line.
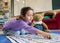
(53,23)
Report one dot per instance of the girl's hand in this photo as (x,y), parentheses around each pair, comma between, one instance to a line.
(46,35)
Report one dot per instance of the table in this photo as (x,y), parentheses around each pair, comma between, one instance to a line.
(30,38)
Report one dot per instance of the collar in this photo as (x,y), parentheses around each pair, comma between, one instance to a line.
(39,22)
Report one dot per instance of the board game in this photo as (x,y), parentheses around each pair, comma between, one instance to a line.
(55,38)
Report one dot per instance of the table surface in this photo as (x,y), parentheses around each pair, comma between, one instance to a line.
(30,38)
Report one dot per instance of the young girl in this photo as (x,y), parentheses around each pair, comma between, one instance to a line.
(39,24)
(23,22)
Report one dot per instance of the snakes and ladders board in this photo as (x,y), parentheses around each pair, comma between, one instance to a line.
(55,38)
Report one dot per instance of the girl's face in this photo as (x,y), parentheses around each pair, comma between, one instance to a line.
(29,16)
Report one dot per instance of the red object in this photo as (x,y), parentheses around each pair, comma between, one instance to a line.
(53,23)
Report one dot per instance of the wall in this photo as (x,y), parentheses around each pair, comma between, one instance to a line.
(37,5)
(40,5)
(17,6)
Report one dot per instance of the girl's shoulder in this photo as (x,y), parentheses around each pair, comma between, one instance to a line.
(11,20)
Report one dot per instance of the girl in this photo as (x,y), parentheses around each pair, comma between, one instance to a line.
(23,22)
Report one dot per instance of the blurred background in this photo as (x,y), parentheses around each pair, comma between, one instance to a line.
(49,9)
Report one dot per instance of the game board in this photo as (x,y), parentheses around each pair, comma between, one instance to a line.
(55,38)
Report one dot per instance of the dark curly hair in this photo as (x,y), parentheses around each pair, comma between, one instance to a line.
(25,9)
